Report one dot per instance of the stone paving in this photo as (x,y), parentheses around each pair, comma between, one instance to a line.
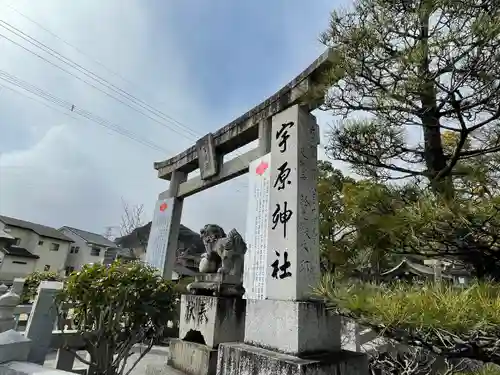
(154,363)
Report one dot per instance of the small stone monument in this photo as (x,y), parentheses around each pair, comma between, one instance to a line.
(214,312)
(18,286)
(8,303)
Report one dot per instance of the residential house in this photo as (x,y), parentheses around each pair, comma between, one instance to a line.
(137,241)
(87,248)
(29,247)
(189,248)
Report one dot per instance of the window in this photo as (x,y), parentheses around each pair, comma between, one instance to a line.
(17,241)
(18,262)
(74,249)
(69,270)
(77,249)
(54,247)
(46,268)
(40,243)
(95,251)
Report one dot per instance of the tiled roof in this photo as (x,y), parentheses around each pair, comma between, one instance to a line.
(140,236)
(17,251)
(41,230)
(415,267)
(90,237)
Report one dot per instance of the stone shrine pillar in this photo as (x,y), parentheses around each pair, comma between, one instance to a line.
(286,331)
(164,235)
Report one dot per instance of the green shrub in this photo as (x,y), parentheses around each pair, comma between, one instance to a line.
(442,318)
(32,282)
(117,307)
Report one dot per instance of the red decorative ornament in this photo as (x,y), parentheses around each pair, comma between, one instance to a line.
(261,168)
(163,207)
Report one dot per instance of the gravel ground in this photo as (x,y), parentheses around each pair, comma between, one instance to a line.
(154,363)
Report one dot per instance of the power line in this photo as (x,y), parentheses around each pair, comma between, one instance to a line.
(90,84)
(92,74)
(88,115)
(68,106)
(19,33)
(79,50)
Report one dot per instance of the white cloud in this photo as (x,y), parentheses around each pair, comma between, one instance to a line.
(59,171)
(76,174)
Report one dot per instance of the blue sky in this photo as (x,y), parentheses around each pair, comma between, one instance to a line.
(201,62)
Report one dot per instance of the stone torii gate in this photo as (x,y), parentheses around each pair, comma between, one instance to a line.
(209,151)
(285,332)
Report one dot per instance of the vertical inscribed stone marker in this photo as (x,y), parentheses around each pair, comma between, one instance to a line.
(156,252)
(293,243)
(254,277)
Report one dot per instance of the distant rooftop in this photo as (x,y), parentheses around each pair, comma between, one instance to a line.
(93,238)
(140,236)
(39,229)
(17,251)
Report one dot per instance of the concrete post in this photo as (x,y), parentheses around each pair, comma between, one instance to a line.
(18,286)
(41,320)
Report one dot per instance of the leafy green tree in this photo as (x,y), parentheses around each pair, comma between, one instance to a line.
(357,218)
(406,71)
(415,84)
(115,308)
(32,282)
(334,228)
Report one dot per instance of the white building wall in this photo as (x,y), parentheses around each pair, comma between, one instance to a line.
(41,246)
(12,267)
(54,259)
(84,255)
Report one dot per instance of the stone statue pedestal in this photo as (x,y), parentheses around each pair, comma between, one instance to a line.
(206,322)
(217,284)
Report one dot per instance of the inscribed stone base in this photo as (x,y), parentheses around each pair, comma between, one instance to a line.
(212,320)
(243,359)
(292,327)
(192,358)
